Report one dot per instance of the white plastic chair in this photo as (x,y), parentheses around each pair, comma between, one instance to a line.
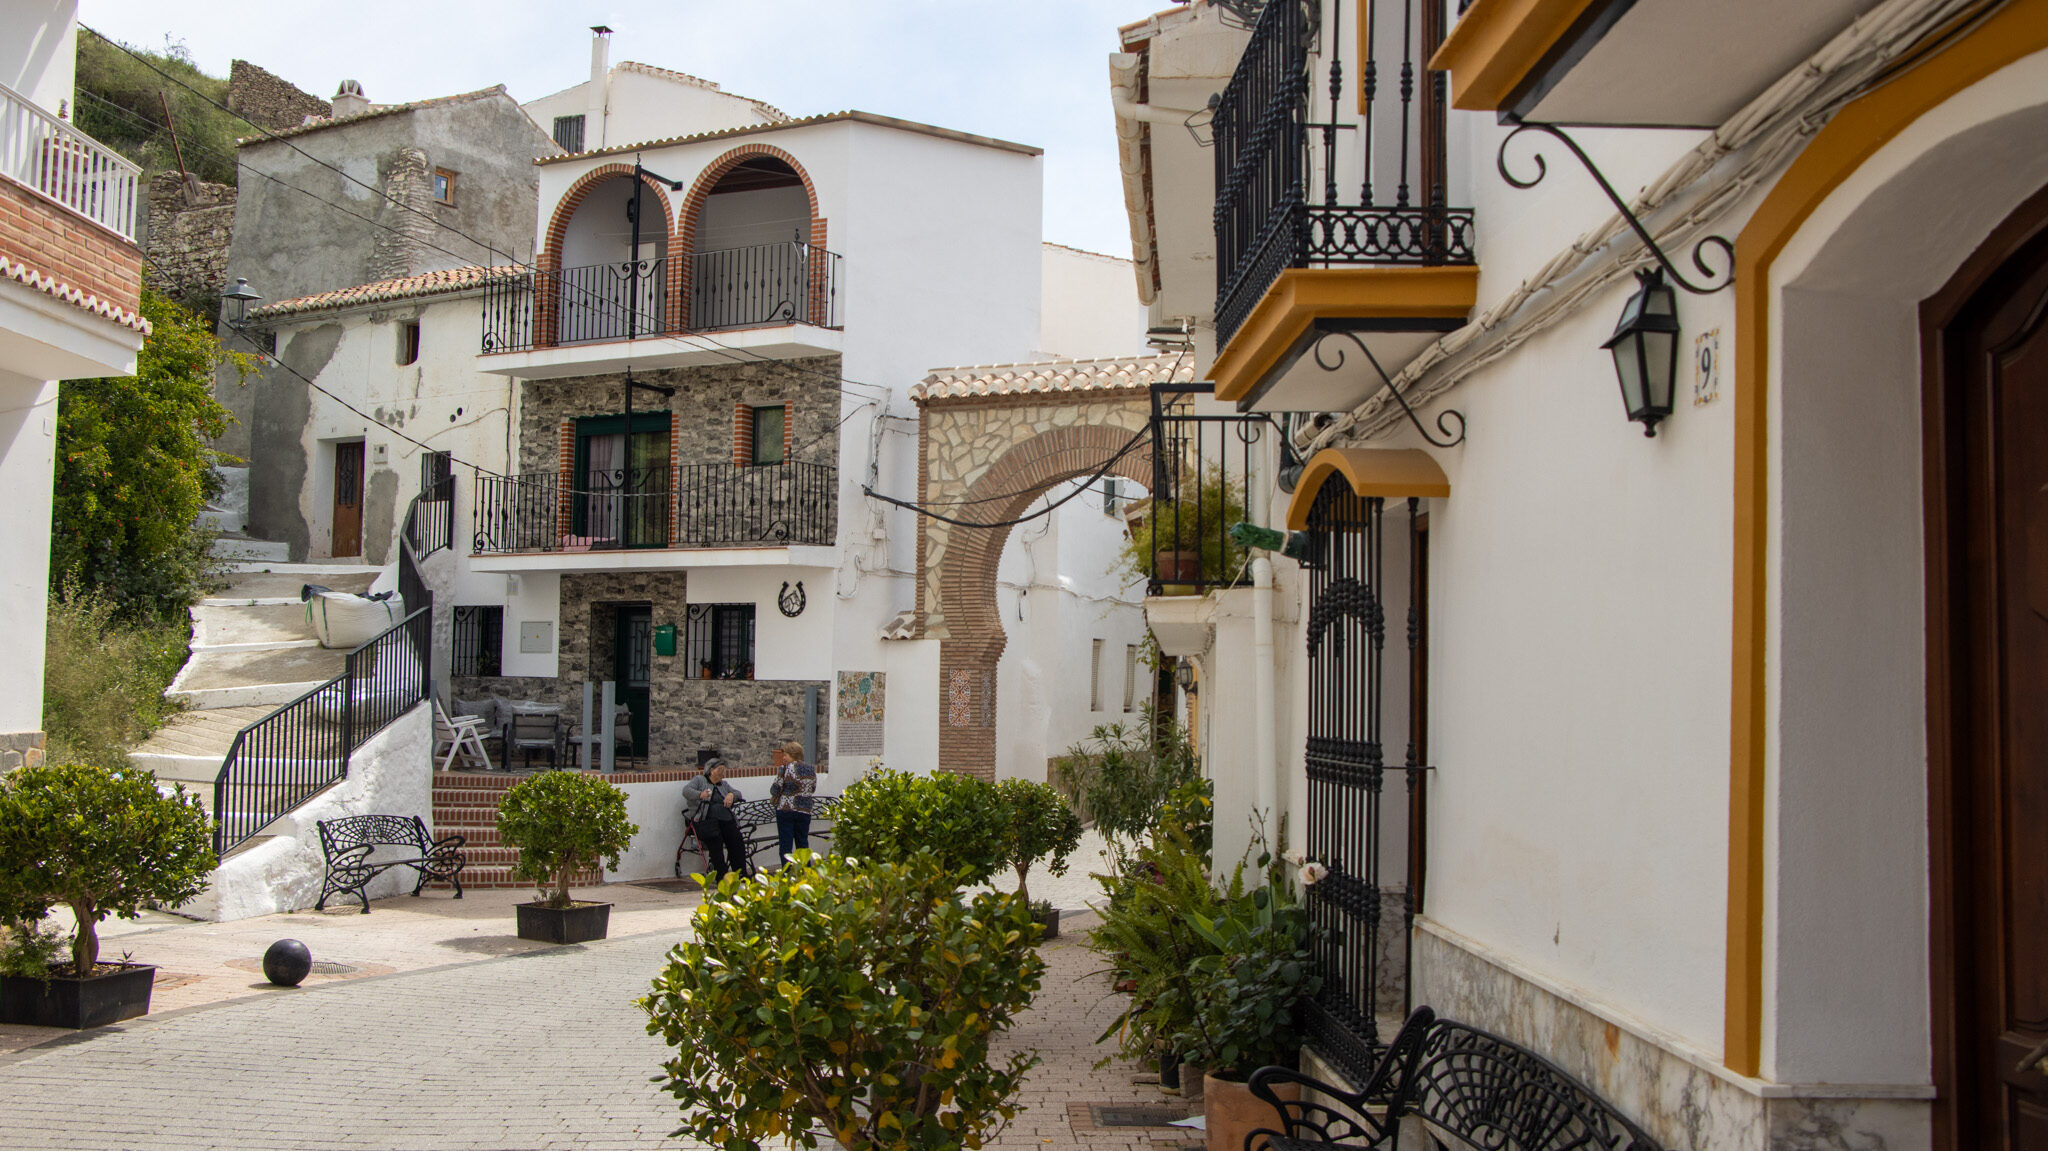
(462,736)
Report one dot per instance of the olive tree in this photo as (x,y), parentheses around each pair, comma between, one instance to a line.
(100,841)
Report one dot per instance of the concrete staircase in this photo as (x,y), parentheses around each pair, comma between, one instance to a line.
(467,805)
(251,653)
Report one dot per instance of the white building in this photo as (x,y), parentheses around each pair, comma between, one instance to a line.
(70,287)
(1731,794)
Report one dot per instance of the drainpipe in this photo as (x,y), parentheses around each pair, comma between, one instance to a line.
(1123,94)
(1265,759)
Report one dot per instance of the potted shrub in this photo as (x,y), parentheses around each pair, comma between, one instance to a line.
(851,1002)
(1149,939)
(1249,993)
(890,816)
(563,822)
(1182,537)
(1042,827)
(102,842)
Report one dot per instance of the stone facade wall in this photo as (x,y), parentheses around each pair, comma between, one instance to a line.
(701,419)
(20,749)
(405,242)
(188,230)
(270,100)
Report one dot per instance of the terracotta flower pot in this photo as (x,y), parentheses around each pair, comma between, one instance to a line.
(1230,1111)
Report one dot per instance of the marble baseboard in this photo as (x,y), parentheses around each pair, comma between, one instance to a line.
(1675,1095)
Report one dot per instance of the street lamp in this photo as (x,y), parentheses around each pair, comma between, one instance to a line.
(1184,675)
(241,295)
(1645,347)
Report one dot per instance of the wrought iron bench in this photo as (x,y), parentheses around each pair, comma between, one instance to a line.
(1468,1088)
(350,841)
(757,823)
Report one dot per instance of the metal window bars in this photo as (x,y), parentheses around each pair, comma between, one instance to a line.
(1201,478)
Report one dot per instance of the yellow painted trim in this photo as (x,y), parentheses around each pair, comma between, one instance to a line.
(1850,139)
(1386,473)
(1497,43)
(1301,296)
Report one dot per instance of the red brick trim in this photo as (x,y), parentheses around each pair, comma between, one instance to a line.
(72,258)
(547,302)
(565,472)
(693,210)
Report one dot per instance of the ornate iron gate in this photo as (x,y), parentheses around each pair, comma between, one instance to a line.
(1350,827)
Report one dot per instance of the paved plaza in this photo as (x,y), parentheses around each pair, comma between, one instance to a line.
(472,1040)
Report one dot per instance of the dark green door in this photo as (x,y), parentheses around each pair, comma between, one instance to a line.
(632,656)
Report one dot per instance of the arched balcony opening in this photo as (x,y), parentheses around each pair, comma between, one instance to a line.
(611,277)
(757,253)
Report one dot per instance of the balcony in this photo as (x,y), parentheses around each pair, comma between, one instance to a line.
(65,166)
(1332,211)
(663,517)
(774,300)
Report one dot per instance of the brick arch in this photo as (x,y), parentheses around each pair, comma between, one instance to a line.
(987,462)
(692,210)
(547,300)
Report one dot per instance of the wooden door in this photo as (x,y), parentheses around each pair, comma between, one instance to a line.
(1993,356)
(348,500)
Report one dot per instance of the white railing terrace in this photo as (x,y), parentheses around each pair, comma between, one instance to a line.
(61,163)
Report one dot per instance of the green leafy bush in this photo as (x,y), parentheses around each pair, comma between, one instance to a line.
(1124,776)
(121,104)
(849,1000)
(30,949)
(563,822)
(890,816)
(1041,827)
(1149,938)
(102,842)
(1250,992)
(1190,521)
(104,677)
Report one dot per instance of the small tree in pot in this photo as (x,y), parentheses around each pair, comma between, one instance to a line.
(890,816)
(102,842)
(563,822)
(1042,827)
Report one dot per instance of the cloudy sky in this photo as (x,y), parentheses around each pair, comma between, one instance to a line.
(1034,71)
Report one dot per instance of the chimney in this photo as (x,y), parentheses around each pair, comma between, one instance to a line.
(597,96)
(349,100)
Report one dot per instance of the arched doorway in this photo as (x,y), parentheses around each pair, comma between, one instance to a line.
(987,452)
(755,244)
(598,285)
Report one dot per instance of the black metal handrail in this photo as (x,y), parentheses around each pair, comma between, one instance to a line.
(304,747)
(1280,202)
(755,286)
(1201,478)
(684,506)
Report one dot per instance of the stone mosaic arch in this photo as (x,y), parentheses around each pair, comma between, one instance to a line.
(991,441)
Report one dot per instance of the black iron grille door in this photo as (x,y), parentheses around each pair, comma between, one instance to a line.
(1358,827)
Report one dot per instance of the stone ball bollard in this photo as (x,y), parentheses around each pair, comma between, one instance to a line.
(287,963)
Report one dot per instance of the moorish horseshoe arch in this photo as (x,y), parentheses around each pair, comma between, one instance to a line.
(988,447)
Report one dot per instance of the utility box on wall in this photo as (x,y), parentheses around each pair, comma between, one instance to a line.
(665,639)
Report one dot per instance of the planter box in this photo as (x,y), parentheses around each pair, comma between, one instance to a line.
(1048,920)
(1231,1112)
(577,923)
(66,1001)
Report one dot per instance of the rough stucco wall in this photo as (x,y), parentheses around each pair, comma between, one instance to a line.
(392,774)
(262,97)
(380,516)
(701,411)
(278,406)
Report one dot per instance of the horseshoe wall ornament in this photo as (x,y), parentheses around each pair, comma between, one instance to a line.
(1699,260)
(792,600)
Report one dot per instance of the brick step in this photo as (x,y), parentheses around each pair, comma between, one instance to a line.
(471,836)
(458,818)
(500,875)
(467,797)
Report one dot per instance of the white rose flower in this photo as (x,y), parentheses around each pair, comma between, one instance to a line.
(1312,873)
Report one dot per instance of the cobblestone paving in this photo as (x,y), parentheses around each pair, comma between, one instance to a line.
(521,1053)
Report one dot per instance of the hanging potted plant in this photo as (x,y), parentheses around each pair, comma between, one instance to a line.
(1042,827)
(563,822)
(101,842)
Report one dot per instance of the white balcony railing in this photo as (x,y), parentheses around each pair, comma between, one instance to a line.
(61,163)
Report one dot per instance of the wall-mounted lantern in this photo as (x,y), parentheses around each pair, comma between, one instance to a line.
(1184,675)
(1645,348)
(241,295)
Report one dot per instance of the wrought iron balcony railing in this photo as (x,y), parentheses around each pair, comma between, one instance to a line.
(1201,479)
(685,506)
(63,164)
(759,286)
(1282,198)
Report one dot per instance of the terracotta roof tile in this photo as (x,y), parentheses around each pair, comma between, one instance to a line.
(374,112)
(52,286)
(802,122)
(402,288)
(1121,374)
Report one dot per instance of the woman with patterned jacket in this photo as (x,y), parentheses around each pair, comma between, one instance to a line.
(795,783)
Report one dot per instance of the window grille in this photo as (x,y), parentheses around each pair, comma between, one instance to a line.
(569,133)
(719,640)
(1095,676)
(479,641)
(1112,496)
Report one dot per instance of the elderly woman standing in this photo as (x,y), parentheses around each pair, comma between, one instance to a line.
(795,783)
